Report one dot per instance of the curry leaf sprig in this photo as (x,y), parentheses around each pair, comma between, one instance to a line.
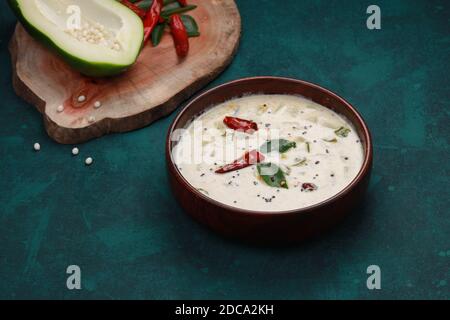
(280,145)
(269,172)
(159,15)
(272,175)
(171,7)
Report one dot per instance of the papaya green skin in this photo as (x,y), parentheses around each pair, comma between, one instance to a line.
(87,68)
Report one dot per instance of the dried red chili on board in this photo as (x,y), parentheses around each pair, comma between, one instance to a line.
(140,12)
(180,35)
(152,18)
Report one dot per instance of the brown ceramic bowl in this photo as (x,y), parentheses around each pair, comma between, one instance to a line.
(269,227)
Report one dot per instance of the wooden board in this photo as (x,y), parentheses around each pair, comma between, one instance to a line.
(151,89)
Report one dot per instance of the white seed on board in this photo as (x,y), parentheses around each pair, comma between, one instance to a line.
(81,98)
(37,147)
(60,108)
(97,104)
(89,161)
(91,119)
(75,151)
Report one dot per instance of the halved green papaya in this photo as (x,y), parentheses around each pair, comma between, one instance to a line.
(97,37)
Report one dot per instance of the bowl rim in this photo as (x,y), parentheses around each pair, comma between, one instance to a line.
(365,168)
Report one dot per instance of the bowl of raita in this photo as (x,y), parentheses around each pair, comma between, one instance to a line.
(268,159)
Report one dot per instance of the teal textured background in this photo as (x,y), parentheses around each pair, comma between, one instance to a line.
(118,220)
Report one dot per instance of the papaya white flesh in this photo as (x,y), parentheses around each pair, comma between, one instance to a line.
(96,37)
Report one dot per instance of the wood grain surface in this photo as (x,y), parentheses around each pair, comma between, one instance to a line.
(151,89)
